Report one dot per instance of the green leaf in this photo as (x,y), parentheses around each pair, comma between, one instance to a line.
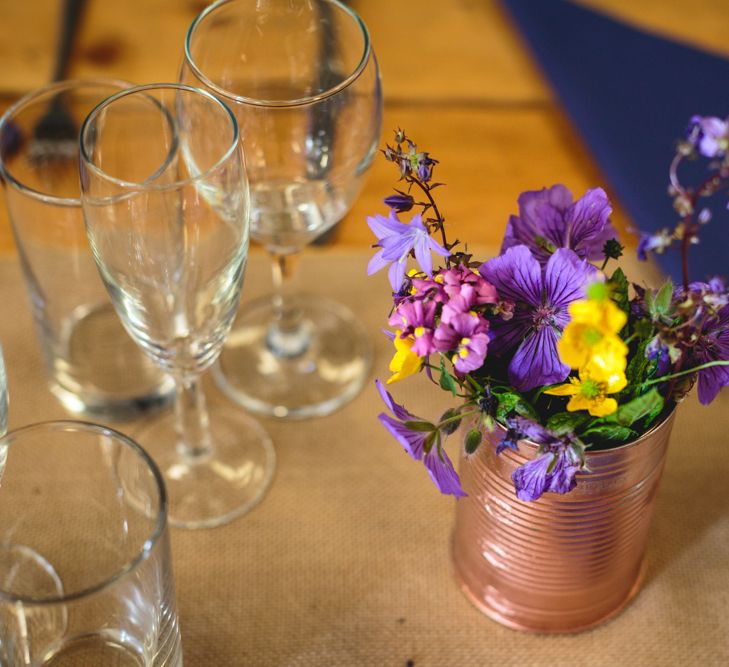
(620,285)
(451,426)
(566,422)
(447,381)
(639,407)
(653,414)
(638,370)
(472,440)
(612,432)
(509,402)
(660,304)
(420,426)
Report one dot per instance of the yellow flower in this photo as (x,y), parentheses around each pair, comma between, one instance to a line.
(590,391)
(591,335)
(405,362)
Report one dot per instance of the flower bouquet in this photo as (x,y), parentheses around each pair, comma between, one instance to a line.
(567,375)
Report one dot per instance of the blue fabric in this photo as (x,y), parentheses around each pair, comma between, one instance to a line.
(631,94)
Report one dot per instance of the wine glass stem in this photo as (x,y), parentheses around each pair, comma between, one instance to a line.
(288,333)
(192,424)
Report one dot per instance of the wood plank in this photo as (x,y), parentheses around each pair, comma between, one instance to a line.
(488,157)
(459,49)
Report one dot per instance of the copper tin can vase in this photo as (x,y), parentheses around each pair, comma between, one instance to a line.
(563,563)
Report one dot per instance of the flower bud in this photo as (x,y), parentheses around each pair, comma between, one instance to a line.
(400,202)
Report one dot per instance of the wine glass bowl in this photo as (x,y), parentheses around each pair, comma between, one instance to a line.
(166,208)
(303,82)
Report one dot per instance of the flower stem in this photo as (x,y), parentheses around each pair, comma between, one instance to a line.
(438,215)
(672,376)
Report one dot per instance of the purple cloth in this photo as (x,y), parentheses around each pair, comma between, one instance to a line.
(631,94)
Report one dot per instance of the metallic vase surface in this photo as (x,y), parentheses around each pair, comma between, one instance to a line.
(564,562)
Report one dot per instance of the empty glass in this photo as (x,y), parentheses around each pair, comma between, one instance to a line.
(165,200)
(302,79)
(85,569)
(93,365)
(3,402)
(3,409)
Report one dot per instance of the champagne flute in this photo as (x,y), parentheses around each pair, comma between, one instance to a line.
(163,189)
(302,79)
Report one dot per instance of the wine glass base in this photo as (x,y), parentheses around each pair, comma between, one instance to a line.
(220,485)
(315,382)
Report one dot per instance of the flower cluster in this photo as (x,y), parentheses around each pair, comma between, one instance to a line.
(591,345)
(541,341)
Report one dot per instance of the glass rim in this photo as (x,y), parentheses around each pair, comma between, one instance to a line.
(159,187)
(301,101)
(32,97)
(148,545)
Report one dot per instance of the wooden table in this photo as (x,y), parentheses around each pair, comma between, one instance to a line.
(335,567)
(456,76)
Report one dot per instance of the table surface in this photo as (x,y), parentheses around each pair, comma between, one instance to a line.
(346,562)
(467,90)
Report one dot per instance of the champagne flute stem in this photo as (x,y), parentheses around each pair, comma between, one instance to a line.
(192,424)
(288,335)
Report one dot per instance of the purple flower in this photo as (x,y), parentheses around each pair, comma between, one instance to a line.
(518,428)
(548,219)
(554,470)
(532,479)
(542,296)
(660,353)
(462,281)
(657,243)
(464,334)
(708,135)
(425,167)
(712,345)
(416,318)
(397,241)
(400,202)
(427,288)
(413,441)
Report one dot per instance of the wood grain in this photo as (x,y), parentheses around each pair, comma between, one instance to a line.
(456,75)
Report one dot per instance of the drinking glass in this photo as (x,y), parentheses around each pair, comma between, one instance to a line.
(165,200)
(302,79)
(94,367)
(85,567)
(3,404)
(3,410)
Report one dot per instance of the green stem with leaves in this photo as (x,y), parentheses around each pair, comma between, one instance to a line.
(689,371)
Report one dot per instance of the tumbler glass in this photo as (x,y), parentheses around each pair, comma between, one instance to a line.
(85,569)
(94,367)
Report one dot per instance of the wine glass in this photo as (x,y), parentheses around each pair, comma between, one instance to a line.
(302,79)
(165,201)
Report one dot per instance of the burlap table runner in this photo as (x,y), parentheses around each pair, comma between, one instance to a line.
(346,561)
